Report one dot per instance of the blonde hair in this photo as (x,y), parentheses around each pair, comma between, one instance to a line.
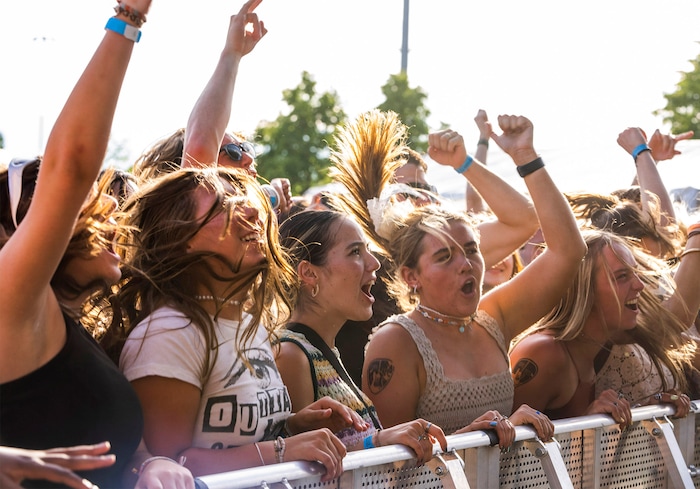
(658,330)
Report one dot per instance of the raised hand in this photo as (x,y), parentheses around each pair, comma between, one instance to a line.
(447,148)
(663,146)
(482,122)
(516,138)
(245,29)
(630,138)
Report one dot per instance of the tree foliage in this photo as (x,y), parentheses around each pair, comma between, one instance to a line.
(2,141)
(409,104)
(296,144)
(682,109)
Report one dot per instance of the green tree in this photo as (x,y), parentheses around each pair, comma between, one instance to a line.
(682,109)
(296,144)
(2,141)
(409,104)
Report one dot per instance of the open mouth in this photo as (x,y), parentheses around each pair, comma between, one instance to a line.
(632,304)
(468,287)
(366,289)
(252,237)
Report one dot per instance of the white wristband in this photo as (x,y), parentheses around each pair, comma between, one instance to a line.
(119,26)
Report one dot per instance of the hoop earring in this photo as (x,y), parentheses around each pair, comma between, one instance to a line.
(314,291)
(415,289)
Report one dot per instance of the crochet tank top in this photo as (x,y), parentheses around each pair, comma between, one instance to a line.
(453,404)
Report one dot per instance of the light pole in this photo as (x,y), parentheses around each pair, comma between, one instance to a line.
(404,44)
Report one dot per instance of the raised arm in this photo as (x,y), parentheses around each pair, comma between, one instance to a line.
(533,292)
(685,301)
(516,219)
(74,153)
(634,141)
(210,116)
(475,203)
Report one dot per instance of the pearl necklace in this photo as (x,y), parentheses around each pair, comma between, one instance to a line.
(220,300)
(448,320)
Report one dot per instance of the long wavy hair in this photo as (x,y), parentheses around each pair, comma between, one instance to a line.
(621,213)
(159,222)
(92,233)
(658,330)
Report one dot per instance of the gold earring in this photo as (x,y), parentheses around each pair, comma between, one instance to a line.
(314,291)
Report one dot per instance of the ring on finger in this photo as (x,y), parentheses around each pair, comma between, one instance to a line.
(427,427)
(422,437)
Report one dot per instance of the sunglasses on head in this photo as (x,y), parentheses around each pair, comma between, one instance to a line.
(235,150)
(14,184)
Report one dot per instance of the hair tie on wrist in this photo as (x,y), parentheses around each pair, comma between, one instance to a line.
(533,166)
(484,142)
(639,149)
(465,166)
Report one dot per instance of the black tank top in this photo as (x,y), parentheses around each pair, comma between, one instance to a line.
(79,397)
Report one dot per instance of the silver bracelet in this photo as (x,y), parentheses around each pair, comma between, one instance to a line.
(148,461)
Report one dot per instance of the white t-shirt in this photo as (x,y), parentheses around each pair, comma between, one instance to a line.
(237,407)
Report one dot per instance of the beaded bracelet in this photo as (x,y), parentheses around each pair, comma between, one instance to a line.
(131,13)
(280,446)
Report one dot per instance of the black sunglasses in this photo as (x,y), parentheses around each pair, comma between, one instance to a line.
(235,150)
(423,186)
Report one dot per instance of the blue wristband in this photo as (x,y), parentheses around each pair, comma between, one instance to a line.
(129,31)
(368,443)
(639,149)
(465,166)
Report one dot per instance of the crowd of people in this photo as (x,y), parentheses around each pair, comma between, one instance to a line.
(182,319)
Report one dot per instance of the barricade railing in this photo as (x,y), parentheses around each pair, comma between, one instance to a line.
(588,452)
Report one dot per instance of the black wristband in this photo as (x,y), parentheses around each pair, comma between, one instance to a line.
(533,166)
(485,142)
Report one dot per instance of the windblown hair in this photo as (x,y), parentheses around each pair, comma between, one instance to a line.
(164,156)
(367,153)
(92,233)
(622,214)
(658,330)
(160,220)
(406,244)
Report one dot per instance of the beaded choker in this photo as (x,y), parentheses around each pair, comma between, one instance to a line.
(443,319)
(220,300)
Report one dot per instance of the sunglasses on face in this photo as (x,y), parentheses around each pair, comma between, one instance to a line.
(423,186)
(235,150)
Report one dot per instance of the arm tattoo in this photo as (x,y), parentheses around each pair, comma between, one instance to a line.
(524,371)
(379,374)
